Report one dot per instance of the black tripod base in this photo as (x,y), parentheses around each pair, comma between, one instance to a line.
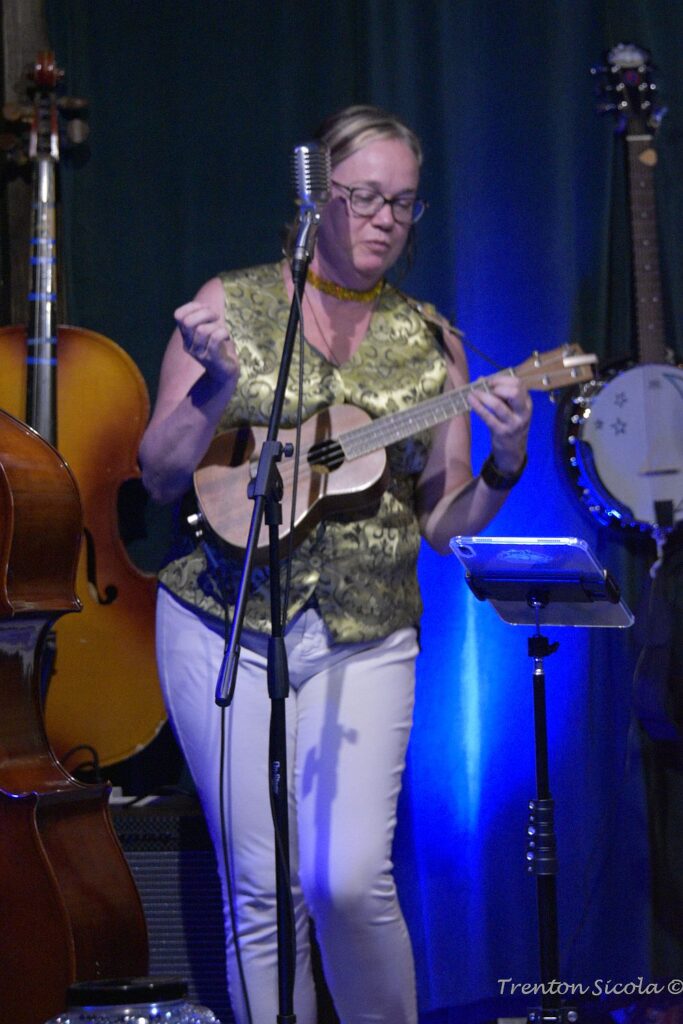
(553,1015)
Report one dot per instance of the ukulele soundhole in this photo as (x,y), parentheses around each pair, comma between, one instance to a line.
(325,456)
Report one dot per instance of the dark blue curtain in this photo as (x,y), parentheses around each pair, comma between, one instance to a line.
(195,108)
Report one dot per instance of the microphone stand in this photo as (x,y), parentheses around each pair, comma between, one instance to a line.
(266,491)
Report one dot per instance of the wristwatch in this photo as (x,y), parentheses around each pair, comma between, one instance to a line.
(495,478)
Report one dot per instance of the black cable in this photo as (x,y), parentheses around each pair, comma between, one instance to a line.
(282,860)
(226,867)
(479,352)
(92,766)
(297,460)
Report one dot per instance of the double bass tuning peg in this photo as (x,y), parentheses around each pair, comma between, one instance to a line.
(74,111)
(14,126)
(17,113)
(71,105)
(77,131)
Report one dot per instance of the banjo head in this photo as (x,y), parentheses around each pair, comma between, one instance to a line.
(626,447)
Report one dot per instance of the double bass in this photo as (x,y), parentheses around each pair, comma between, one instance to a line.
(70,909)
(86,396)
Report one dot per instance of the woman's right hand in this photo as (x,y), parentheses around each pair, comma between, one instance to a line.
(199,374)
(206,338)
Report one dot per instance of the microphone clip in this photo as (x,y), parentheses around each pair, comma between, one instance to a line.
(305,242)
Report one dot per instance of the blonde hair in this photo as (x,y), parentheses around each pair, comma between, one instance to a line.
(353,127)
(347,131)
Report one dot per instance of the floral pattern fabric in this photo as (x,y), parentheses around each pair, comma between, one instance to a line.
(360,569)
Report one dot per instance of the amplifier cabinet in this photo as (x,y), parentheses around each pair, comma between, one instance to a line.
(168,848)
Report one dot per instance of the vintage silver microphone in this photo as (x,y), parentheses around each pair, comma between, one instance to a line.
(311,177)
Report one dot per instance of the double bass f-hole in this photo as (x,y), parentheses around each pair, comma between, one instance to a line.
(111,592)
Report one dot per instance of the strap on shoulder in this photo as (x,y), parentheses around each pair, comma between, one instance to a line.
(437,323)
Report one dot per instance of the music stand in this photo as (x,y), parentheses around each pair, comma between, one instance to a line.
(560,581)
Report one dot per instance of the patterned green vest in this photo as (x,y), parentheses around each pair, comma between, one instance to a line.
(362,572)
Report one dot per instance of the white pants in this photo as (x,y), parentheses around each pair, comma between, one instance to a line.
(349,714)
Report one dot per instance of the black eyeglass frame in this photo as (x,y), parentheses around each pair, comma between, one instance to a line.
(418,203)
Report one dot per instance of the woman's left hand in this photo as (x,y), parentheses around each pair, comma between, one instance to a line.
(506,410)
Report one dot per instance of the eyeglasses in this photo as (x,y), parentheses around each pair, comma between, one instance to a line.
(366,202)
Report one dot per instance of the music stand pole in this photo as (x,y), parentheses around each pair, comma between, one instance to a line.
(560,577)
(542,844)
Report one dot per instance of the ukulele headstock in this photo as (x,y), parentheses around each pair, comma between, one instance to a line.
(559,368)
(625,88)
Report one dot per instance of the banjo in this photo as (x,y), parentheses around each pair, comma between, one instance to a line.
(624,430)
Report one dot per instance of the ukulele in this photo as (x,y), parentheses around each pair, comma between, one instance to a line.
(625,429)
(343,467)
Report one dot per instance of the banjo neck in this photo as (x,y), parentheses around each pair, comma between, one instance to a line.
(641,159)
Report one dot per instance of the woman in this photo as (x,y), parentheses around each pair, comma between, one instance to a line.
(355,604)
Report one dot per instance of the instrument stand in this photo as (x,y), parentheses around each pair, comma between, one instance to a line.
(559,579)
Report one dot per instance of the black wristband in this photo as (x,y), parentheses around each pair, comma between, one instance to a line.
(497,480)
